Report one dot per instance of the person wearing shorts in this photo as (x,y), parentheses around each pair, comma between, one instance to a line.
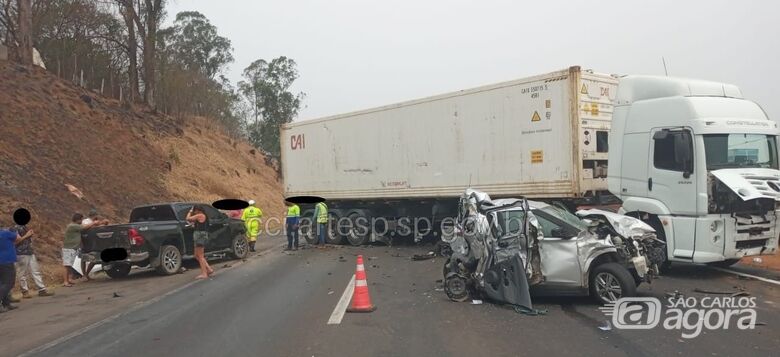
(197,216)
(70,246)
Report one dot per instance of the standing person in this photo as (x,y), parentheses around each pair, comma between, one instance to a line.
(292,221)
(7,266)
(251,217)
(70,246)
(197,216)
(321,214)
(88,260)
(27,264)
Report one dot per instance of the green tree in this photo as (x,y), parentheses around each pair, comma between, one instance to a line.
(267,87)
(195,44)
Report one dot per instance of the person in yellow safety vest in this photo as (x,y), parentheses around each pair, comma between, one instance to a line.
(251,217)
(321,214)
(292,221)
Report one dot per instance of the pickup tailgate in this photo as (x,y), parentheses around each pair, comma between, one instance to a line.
(97,239)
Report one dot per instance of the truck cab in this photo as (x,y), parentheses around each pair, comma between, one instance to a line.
(699,163)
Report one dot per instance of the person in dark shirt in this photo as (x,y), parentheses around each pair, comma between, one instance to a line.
(8,240)
(27,264)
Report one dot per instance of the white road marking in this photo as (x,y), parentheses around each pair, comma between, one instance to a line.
(341,306)
(766,280)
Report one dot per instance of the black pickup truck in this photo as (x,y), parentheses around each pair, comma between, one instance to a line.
(159,237)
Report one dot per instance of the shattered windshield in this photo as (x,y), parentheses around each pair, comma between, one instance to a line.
(740,150)
(565,216)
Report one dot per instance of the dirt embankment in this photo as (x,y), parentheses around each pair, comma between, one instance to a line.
(56,134)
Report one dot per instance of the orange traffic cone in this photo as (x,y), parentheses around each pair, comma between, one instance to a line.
(361,301)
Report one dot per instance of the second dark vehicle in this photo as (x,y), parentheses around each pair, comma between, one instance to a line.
(159,237)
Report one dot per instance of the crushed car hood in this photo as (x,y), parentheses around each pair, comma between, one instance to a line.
(750,184)
(624,225)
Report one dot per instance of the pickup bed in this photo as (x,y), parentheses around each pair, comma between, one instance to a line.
(159,237)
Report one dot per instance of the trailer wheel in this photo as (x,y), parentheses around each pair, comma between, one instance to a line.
(333,236)
(360,230)
(307,228)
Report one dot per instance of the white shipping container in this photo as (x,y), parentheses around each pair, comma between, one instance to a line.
(534,137)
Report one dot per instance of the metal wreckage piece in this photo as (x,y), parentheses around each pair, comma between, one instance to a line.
(504,266)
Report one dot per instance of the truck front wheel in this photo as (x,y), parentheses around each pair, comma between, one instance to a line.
(170,260)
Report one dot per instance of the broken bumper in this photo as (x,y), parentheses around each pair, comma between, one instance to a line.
(736,237)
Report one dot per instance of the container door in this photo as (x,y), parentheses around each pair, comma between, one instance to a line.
(671,181)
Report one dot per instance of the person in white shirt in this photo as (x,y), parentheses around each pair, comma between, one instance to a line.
(87,260)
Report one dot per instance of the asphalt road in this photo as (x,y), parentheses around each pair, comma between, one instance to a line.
(279,305)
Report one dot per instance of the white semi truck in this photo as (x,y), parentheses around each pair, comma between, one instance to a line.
(569,137)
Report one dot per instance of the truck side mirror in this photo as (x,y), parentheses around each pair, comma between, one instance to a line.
(683,153)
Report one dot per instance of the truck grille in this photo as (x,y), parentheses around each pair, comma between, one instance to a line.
(767,185)
(751,243)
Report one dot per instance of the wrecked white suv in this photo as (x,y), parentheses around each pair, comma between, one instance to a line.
(501,252)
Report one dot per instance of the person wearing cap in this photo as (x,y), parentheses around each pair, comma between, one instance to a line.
(251,217)
(88,260)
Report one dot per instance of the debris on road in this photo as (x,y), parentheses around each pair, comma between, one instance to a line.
(116,294)
(476,302)
(418,257)
(735,293)
(675,294)
(606,326)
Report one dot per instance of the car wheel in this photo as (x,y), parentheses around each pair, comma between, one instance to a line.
(724,264)
(610,282)
(240,247)
(359,232)
(118,270)
(170,260)
(456,287)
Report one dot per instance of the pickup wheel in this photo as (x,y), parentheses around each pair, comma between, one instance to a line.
(118,270)
(239,247)
(170,260)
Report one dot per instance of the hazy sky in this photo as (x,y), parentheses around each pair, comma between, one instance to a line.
(356,54)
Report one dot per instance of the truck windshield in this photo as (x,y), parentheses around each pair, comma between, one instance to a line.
(740,150)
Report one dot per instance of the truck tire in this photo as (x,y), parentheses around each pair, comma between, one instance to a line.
(610,282)
(360,231)
(333,236)
(118,270)
(308,228)
(239,248)
(170,260)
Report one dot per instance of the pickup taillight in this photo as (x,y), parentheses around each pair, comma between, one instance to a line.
(135,238)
